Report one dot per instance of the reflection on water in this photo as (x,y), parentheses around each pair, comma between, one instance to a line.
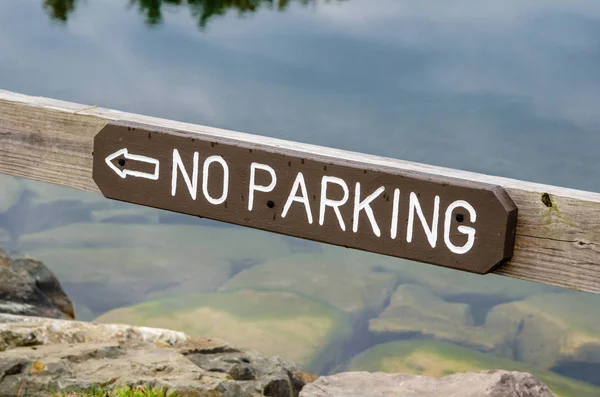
(203,10)
(508,88)
(59,9)
(505,89)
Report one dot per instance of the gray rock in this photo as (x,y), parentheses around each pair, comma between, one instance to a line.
(72,367)
(46,281)
(29,288)
(18,331)
(242,372)
(52,356)
(472,384)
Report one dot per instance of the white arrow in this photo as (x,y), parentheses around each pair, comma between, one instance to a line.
(135,157)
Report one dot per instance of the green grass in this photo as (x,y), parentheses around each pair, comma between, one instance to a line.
(122,391)
(436,358)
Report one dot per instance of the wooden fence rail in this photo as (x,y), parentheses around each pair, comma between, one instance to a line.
(557,238)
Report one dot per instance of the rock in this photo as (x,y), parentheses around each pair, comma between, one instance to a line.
(47,282)
(546,329)
(306,377)
(17,331)
(414,308)
(352,284)
(471,384)
(69,367)
(29,288)
(273,322)
(66,355)
(242,372)
(272,376)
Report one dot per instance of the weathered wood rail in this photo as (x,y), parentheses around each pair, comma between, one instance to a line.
(558,229)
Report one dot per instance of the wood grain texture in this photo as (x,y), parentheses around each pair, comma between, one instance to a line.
(558,229)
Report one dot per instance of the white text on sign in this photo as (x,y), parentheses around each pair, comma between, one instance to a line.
(353,195)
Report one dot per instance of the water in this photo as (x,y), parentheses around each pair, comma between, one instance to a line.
(506,88)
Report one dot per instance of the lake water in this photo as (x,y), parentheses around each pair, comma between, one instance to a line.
(509,88)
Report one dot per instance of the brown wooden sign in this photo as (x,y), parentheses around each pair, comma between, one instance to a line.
(423,217)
